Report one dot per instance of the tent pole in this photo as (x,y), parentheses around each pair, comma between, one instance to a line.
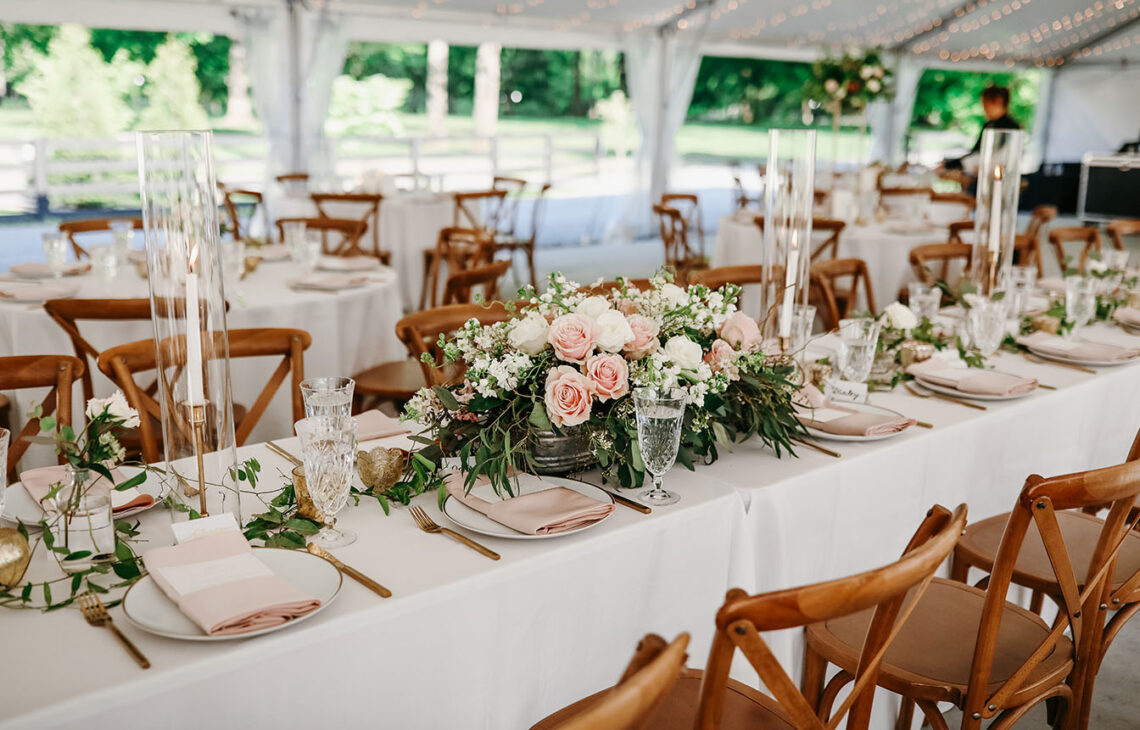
(296,158)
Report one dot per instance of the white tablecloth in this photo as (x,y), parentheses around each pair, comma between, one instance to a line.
(352,330)
(409,225)
(884,246)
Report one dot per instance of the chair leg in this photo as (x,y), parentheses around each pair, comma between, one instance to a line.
(906,714)
(815,671)
(831,691)
(1036,602)
(934,718)
(530,265)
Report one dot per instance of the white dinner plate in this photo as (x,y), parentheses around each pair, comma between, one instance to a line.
(270,252)
(19,505)
(944,390)
(348,264)
(862,408)
(43,271)
(148,608)
(29,293)
(1075,361)
(468,518)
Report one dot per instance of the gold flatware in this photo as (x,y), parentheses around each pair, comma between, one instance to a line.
(1046,387)
(96,614)
(356,575)
(426,524)
(284,454)
(817,447)
(923,424)
(628,502)
(1042,361)
(939,396)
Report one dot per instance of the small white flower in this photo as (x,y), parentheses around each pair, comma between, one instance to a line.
(874,86)
(592,307)
(613,331)
(1096,266)
(683,352)
(529,333)
(866,72)
(674,295)
(831,86)
(900,316)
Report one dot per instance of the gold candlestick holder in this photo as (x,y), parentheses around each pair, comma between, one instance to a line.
(197,414)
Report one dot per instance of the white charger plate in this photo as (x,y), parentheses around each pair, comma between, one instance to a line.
(20,507)
(41,271)
(944,390)
(862,408)
(148,608)
(468,518)
(1073,360)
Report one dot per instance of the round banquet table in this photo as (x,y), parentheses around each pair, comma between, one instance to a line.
(884,246)
(352,330)
(409,225)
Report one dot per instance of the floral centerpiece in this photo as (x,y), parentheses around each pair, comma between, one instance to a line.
(850,82)
(566,362)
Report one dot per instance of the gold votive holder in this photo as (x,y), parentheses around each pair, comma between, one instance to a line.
(818,373)
(912,351)
(381,467)
(1045,323)
(305,506)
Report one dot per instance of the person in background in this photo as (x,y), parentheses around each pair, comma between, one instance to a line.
(995,106)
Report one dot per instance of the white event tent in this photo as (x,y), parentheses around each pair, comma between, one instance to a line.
(1088,51)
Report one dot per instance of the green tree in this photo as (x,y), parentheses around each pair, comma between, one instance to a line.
(21,45)
(750,91)
(172,90)
(394,60)
(952,99)
(212,57)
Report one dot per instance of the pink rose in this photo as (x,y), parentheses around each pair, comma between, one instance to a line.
(722,358)
(740,331)
(572,336)
(568,396)
(645,332)
(610,376)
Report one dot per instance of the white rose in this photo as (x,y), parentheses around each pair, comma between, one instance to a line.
(900,316)
(529,333)
(873,86)
(674,295)
(116,406)
(592,307)
(831,86)
(683,352)
(1096,266)
(614,331)
(866,72)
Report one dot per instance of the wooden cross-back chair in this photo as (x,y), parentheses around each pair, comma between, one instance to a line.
(57,372)
(459,286)
(508,219)
(67,313)
(710,700)
(1087,236)
(839,301)
(941,255)
(957,228)
(71,229)
(743,199)
(690,206)
(366,203)
(457,249)
(1117,230)
(339,236)
(828,247)
(398,380)
(233,200)
(479,210)
(1027,246)
(512,243)
(674,231)
(123,362)
(1082,535)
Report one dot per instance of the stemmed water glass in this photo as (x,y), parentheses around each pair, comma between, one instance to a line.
(858,339)
(924,300)
(122,233)
(328,396)
(660,414)
(803,319)
(1080,300)
(55,253)
(987,325)
(327,451)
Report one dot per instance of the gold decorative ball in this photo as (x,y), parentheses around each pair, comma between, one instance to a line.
(380,468)
(14,556)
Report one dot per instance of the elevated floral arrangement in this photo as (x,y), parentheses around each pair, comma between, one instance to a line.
(566,362)
(848,83)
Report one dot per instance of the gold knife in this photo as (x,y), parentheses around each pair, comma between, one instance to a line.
(283,453)
(817,447)
(628,502)
(351,572)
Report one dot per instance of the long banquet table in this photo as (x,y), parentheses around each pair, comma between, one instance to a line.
(465,642)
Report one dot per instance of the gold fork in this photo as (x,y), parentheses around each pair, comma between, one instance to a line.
(426,524)
(1038,360)
(96,614)
(949,399)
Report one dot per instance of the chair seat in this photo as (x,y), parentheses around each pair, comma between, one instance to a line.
(931,656)
(979,546)
(744,707)
(397,380)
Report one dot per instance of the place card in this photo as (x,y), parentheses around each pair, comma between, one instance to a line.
(823,415)
(193,529)
(845,391)
(194,577)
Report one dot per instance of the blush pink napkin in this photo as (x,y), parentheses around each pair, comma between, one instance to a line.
(976,382)
(329,282)
(1059,346)
(348,263)
(858,423)
(372,425)
(546,512)
(231,608)
(38,482)
(1128,316)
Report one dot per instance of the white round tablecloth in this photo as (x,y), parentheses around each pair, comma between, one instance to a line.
(884,246)
(409,225)
(352,330)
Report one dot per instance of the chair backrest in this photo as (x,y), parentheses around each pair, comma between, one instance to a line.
(67,313)
(293,177)
(923,257)
(1086,235)
(739,275)
(123,362)
(1117,230)
(509,210)
(957,228)
(741,619)
(651,673)
(420,331)
(828,248)
(538,212)
(690,207)
(458,288)
(824,277)
(91,225)
(367,205)
(1081,606)
(232,199)
(57,372)
(480,209)
(339,236)
(674,231)
(963,199)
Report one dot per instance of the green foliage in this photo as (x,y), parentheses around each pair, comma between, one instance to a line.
(366,106)
(172,90)
(406,61)
(749,91)
(22,45)
(952,99)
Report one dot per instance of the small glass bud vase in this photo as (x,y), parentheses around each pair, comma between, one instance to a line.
(81,521)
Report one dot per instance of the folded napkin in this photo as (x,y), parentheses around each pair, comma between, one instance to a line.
(38,483)
(372,425)
(1127,316)
(38,270)
(969,380)
(329,282)
(1077,349)
(1051,283)
(815,410)
(348,263)
(38,292)
(546,512)
(219,584)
